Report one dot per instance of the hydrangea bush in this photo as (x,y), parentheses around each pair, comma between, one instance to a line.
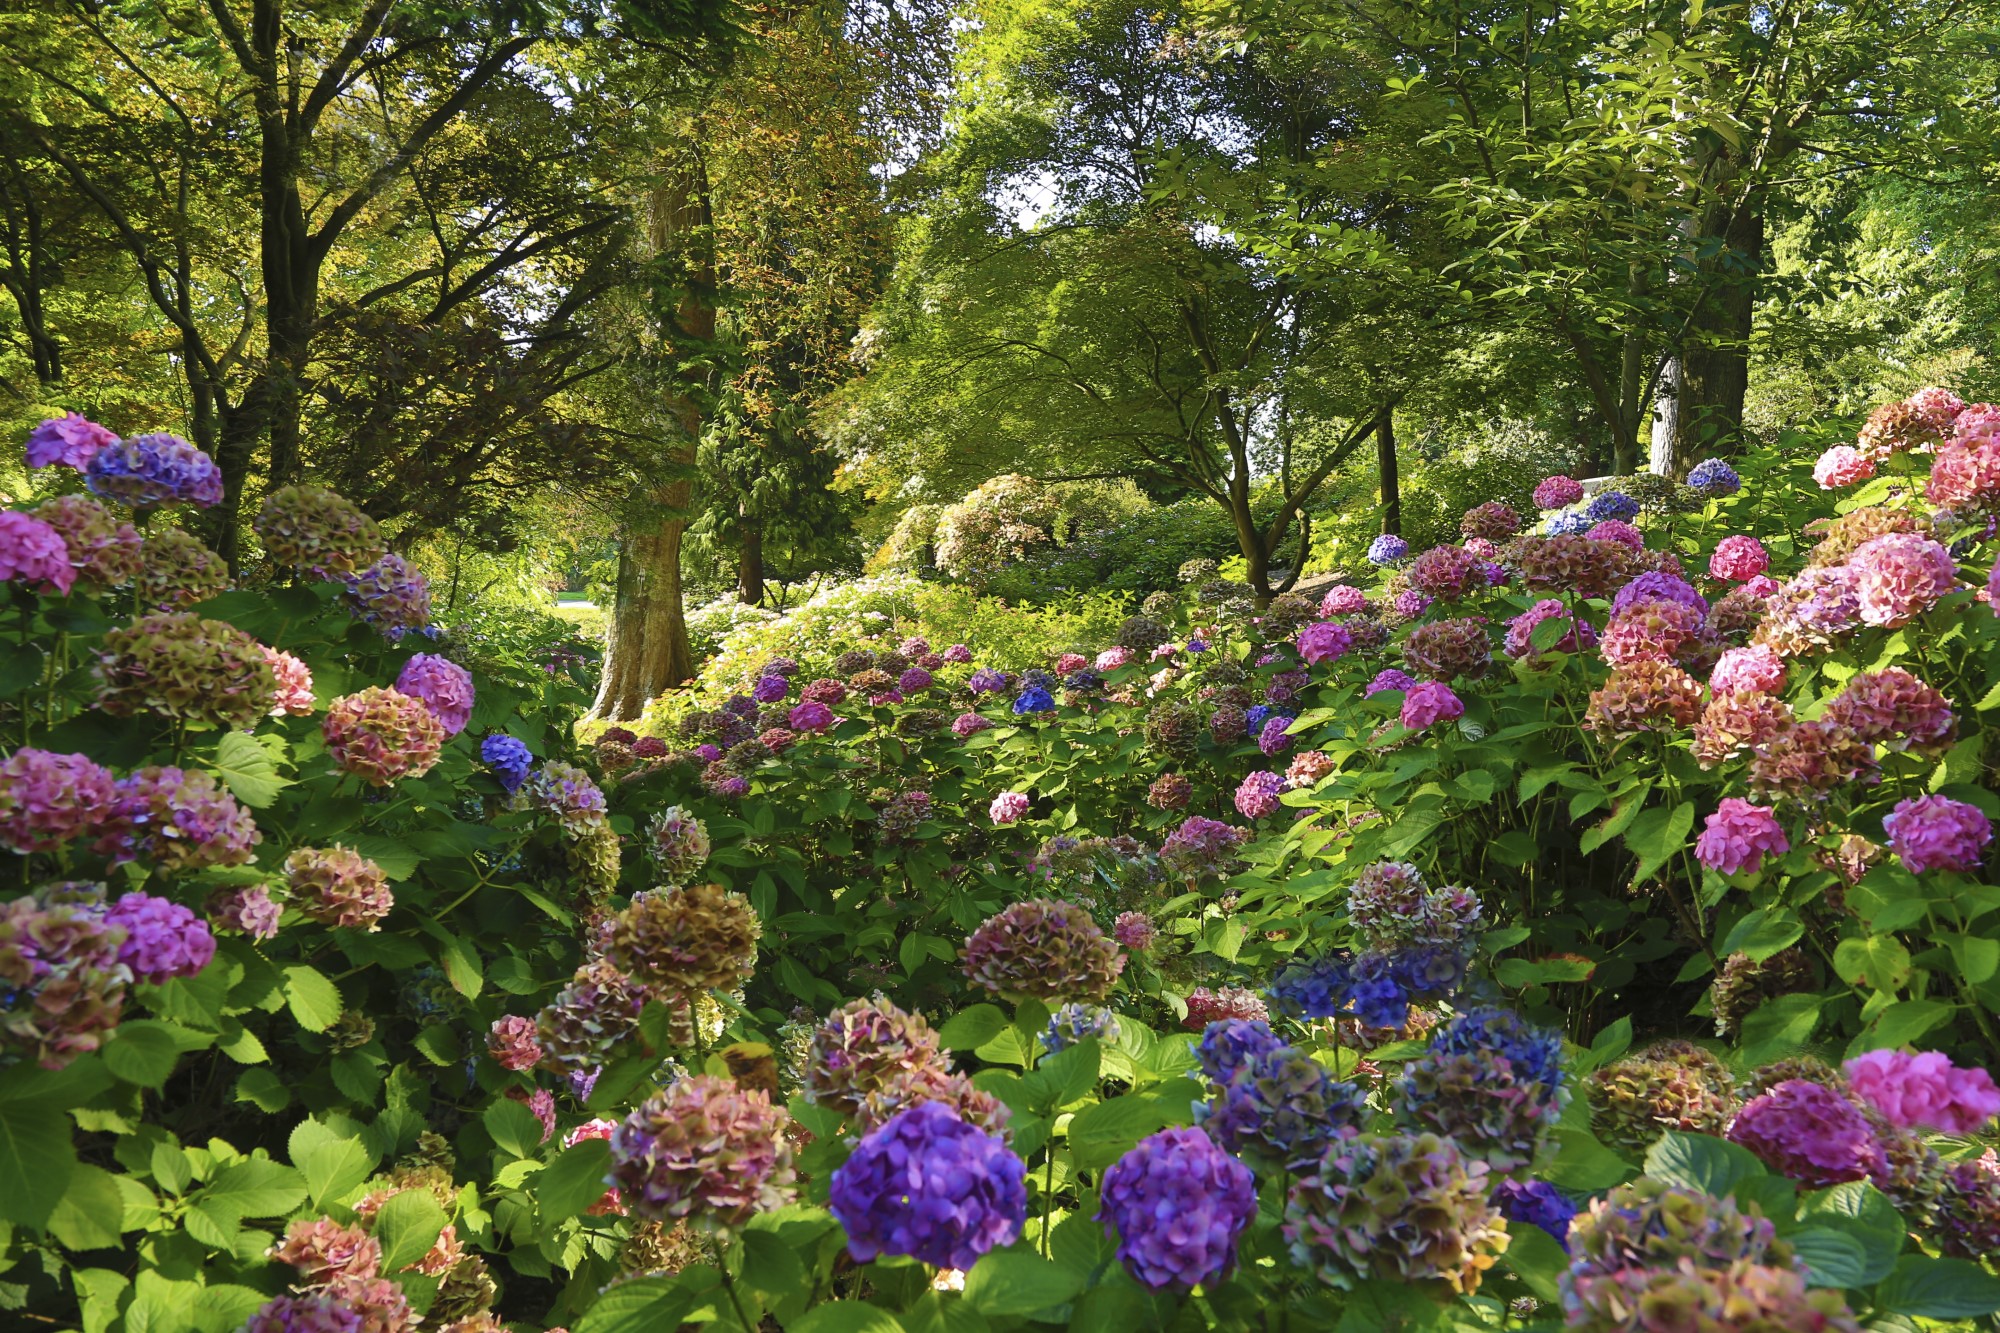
(1299,980)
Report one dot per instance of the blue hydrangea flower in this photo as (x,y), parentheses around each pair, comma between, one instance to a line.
(509,759)
(1536,1203)
(1316,987)
(1713,477)
(1387,549)
(1197,645)
(1568,523)
(148,470)
(1071,1023)
(1534,1052)
(1228,1044)
(1034,699)
(927,1185)
(1253,718)
(1607,505)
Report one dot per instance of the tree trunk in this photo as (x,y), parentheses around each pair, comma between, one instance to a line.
(1385,467)
(1715,370)
(750,561)
(1666,420)
(647,650)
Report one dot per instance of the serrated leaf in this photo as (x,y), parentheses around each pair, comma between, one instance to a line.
(37,1160)
(255,1187)
(87,1218)
(334,1167)
(408,1225)
(1701,1162)
(142,1052)
(574,1181)
(514,1127)
(1017,1281)
(245,767)
(1779,1027)
(263,1090)
(314,1001)
(969,1029)
(644,1305)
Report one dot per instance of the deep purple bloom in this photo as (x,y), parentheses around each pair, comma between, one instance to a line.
(1228,1044)
(1653,586)
(1180,1205)
(927,1185)
(1612,505)
(986,681)
(1808,1132)
(770,689)
(1536,1203)
(1390,679)
(1714,477)
(812,715)
(162,939)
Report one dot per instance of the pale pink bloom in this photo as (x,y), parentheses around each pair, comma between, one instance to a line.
(1842,465)
(1008,807)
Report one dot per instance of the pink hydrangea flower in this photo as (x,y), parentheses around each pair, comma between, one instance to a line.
(442,684)
(246,911)
(1069,662)
(1976,420)
(1738,559)
(163,940)
(1617,530)
(512,1042)
(1762,586)
(1113,658)
(1748,671)
(48,799)
(1739,836)
(1899,576)
(811,716)
(1557,491)
(1008,807)
(1343,599)
(1842,465)
(1940,407)
(1134,931)
(1924,1091)
(1324,641)
(70,440)
(1409,604)
(294,695)
(1937,833)
(1429,702)
(34,553)
(958,654)
(1257,795)
(1966,474)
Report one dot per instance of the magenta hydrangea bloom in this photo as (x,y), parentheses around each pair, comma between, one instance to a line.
(1519,641)
(1843,465)
(179,820)
(1617,530)
(162,939)
(1134,931)
(1409,604)
(1738,559)
(1200,847)
(245,911)
(34,553)
(1937,833)
(1924,1091)
(927,1185)
(812,716)
(1343,599)
(1008,807)
(442,684)
(1809,1132)
(1900,575)
(1557,491)
(69,440)
(1738,836)
(149,470)
(1324,641)
(1180,1204)
(958,655)
(1113,657)
(914,680)
(1429,702)
(49,799)
(1257,796)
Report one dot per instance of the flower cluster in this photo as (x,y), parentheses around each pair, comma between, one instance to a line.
(706,1150)
(382,735)
(337,886)
(178,665)
(146,471)
(1397,1208)
(1043,949)
(443,685)
(1179,1205)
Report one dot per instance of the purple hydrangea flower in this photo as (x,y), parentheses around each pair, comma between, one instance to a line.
(1258,794)
(1809,1132)
(812,715)
(1228,1044)
(1714,477)
(1536,1203)
(391,596)
(1937,833)
(1653,586)
(770,688)
(1612,505)
(70,440)
(1273,737)
(927,1185)
(162,939)
(149,470)
(986,681)
(914,680)
(509,759)
(1180,1204)
(1390,679)
(1281,1109)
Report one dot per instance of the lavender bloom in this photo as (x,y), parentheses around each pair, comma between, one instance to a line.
(1180,1205)
(149,470)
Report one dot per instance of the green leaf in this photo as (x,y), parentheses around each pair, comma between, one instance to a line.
(169,1164)
(398,860)
(969,1029)
(225,1307)
(245,767)
(1762,933)
(1016,1280)
(1009,1047)
(1536,1259)
(1978,957)
(1901,1024)
(1779,1027)
(1583,1165)
(37,1160)
(255,1187)
(263,1090)
(334,1167)
(1515,973)
(1865,1213)
(90,1211)
(574,1181)
(1938,1289)
(142,1052)
(408,1225)
(845,1317)
(644,1305)
(1879,961)
(514,1127)
(1834,1258)
(1099,1135)
(314,1001)
(1701,1162)
(1612,1042)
